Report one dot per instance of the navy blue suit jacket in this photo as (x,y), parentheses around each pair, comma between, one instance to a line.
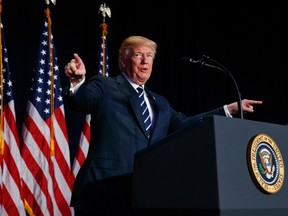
(117,132)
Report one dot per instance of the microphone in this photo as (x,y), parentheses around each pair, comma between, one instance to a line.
(200,62)
(218,66)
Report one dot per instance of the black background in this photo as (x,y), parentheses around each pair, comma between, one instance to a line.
(248,39)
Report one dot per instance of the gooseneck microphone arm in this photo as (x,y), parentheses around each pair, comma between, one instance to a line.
(226,71)
(216,65)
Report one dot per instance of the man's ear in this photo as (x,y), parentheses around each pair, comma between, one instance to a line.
(123,64)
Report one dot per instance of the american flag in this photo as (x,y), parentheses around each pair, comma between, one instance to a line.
(83,147)
(11,202)
(48,182)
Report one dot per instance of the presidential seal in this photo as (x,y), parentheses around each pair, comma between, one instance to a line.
(265,163)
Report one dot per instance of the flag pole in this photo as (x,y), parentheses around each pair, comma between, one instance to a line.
(52,141)
(104,10)
(104,33)
(52,147)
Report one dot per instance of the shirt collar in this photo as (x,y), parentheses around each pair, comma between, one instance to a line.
(134,85)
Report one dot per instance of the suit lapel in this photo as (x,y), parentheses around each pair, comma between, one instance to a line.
(159,115)
(125,87)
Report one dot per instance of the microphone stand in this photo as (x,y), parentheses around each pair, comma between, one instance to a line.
(223,69)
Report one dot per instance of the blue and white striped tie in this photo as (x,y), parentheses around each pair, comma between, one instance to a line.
(144,111)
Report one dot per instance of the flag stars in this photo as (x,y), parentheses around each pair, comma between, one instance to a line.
(42,62)
(60,98)
(44,42)
(9,83)
(8,93)
(56,68)
(38,99)
(41,71)
(48,92)
(39,90)
(47,75)
(47,101)
(43,52)
(40,80)
(46,111)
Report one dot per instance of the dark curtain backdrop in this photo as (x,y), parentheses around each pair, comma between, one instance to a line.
(249,40)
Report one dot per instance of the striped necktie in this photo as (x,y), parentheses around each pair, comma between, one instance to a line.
(144,111)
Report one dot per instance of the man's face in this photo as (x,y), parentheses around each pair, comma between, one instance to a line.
(141,64)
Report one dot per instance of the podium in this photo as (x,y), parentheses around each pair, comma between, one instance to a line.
(204,170)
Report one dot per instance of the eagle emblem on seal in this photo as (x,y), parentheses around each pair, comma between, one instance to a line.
(267,167)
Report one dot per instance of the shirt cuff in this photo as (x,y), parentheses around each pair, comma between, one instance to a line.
(73,89)
(227,113)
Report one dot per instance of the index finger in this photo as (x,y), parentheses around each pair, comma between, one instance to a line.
(78,60)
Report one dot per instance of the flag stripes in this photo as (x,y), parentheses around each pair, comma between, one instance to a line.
(83,147)
(11,200)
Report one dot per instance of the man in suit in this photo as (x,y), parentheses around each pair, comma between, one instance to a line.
(104,182)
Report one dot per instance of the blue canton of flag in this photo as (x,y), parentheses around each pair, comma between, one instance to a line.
(41,96)
(7,83)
